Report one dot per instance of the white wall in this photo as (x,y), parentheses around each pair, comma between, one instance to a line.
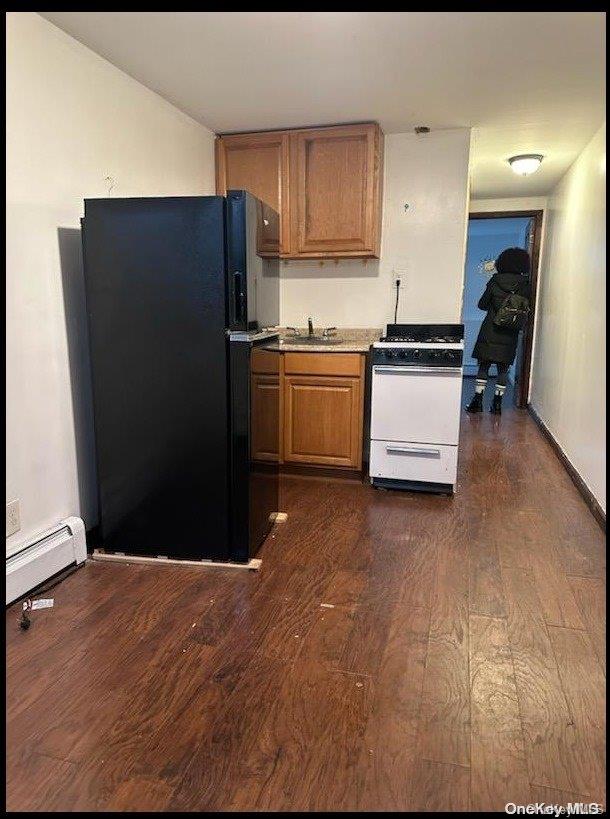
(72,120)
(516,203)
(430,174)
(568,387)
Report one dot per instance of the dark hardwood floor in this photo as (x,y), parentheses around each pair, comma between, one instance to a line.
(395,652)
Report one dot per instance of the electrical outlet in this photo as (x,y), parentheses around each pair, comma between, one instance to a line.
(399,275)
(13,518)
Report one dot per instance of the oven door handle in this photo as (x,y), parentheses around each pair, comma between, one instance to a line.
(406,369)
(412,450)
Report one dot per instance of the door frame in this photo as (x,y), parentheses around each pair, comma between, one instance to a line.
(521,398)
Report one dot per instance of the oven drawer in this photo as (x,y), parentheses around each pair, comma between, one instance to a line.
(434,463)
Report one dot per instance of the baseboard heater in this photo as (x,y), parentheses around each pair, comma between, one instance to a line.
(33,562)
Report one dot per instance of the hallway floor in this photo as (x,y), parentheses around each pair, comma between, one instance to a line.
(395,652)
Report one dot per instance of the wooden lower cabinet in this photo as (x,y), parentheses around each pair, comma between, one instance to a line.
(265,417)
(307,408)
(323,409)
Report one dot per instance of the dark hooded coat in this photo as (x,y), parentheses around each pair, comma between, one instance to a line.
(498,344)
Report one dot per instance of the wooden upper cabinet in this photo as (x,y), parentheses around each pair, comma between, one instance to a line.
(336,191)
(258,163)
(326,184)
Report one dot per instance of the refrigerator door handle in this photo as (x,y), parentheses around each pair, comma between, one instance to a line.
(238,295)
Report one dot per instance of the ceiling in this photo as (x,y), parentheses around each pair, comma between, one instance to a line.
(524,81)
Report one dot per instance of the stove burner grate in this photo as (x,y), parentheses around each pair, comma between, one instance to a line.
(428,340)
(424,333)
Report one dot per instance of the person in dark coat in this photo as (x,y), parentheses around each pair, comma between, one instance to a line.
(498,345)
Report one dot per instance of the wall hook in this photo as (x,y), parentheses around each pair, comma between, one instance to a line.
(110,182)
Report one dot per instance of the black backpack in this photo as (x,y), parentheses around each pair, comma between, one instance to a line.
(513,312)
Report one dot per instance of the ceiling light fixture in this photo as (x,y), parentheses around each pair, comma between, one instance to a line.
(525,164)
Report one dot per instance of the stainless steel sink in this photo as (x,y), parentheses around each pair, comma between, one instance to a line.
(317,340)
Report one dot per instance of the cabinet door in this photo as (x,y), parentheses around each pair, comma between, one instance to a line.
(258,163)
(265,417)
(336,191)
(322,422)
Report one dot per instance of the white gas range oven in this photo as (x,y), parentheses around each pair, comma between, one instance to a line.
(416,394)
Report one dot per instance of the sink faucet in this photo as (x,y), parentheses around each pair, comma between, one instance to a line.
(310,326)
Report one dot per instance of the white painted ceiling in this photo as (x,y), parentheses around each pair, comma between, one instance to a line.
(524,81)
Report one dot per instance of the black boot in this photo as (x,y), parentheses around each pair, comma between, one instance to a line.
(496,405)
(476,405)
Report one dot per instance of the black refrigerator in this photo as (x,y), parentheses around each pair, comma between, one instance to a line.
(182,298)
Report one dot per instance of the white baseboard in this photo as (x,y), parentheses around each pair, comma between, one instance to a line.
(41,557)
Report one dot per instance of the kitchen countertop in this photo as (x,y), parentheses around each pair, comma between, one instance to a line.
(353,340)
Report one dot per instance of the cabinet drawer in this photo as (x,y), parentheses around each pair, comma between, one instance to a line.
(435,463)
(322,363)
(265,361)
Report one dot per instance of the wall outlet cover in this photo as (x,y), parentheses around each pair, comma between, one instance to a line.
(13,518)
(398,275)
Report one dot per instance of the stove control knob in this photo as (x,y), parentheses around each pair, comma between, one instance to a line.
(415,353)
(402,353)
(389,353)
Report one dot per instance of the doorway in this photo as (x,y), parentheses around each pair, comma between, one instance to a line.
(488,235)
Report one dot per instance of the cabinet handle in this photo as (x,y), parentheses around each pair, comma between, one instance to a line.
(413,450)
